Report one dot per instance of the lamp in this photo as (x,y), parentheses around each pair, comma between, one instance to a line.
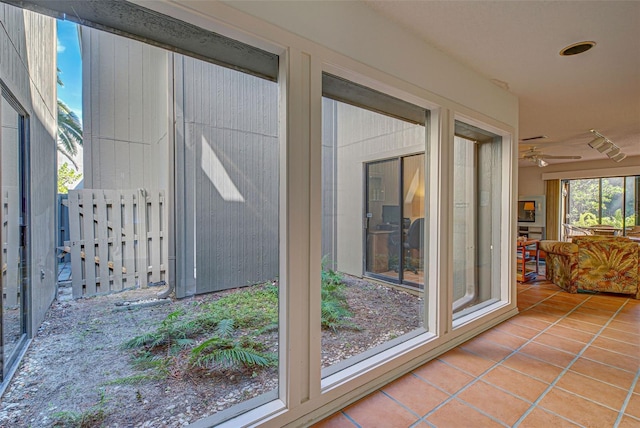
(529,207)
(541,162)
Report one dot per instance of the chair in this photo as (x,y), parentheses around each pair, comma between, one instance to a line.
(632,231)
(412,244)
(571,231)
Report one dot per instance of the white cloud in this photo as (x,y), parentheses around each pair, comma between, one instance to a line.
(61,47)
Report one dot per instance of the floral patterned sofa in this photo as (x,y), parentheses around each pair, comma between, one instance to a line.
(594,263)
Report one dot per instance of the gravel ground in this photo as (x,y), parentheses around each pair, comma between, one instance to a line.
(76,356)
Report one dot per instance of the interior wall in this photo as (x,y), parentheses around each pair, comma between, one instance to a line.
(28,70)
(530,180)
(357,31)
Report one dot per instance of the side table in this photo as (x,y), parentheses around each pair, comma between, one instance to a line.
(528,256)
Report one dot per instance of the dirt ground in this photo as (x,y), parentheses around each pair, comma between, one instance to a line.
(76,359)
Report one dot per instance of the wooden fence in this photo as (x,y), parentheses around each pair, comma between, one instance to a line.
(116,241)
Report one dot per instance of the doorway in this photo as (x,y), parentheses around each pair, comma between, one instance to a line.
(394,220)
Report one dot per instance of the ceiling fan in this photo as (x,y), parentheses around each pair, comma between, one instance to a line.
(533,155)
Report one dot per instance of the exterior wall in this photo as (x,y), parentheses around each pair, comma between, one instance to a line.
(28,70)
(128,86)
(230,167)
(363,137)
(125,112)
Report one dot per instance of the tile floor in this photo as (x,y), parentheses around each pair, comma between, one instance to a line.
(566,360)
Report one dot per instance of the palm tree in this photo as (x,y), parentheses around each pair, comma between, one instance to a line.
(69,130)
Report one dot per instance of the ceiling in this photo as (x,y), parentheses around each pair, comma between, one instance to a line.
(516,44)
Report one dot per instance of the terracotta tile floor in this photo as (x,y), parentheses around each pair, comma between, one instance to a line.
(566,360)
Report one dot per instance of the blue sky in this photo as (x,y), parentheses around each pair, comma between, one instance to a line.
(70,66)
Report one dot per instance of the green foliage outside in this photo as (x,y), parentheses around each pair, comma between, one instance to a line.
(220,334)
(69,130)
(590,197)
(66,177)
(334,309)
(209,334)
(90,418)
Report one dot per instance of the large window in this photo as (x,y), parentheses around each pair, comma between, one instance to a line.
(477,221)
(373,230)
(607,201)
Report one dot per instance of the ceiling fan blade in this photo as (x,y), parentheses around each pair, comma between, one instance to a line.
(543,156)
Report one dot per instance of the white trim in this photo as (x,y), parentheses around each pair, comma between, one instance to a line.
(592,173)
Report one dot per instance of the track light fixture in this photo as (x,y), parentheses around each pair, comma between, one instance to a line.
(606,146)
(597,142)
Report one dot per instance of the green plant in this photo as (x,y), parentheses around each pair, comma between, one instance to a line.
(255,307)
(225,350)
(66,177)
(173,333)
(334,309)
(92,417)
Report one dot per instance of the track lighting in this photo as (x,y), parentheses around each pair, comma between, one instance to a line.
(619,157)
(606,146)
(613,152)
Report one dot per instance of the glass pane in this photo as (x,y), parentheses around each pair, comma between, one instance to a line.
(631,205)
(383,226)
(612,194)
(371,195)
(12,262)
(413,181)
(477,195)
(222,125)
(583,206)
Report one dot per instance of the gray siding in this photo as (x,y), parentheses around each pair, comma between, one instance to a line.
(230,147)
(226,126)
(28,70)
(125,112)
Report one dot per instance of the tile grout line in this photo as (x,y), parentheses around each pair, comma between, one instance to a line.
(496,364)
(350,419)
(566,369)
(627,399)
(404,406)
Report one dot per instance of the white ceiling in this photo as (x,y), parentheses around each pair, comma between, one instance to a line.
(518,42)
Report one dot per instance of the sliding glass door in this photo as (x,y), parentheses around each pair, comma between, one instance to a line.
(394,220)
(14,234)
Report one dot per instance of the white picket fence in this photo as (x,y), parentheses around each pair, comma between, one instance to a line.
(117,240)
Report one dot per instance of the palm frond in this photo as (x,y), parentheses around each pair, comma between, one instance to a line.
(225,328)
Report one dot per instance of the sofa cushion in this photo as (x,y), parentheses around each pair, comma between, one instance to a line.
(607,264)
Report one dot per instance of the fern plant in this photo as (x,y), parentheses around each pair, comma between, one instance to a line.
(172,332)
(334,308)
(224,350)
